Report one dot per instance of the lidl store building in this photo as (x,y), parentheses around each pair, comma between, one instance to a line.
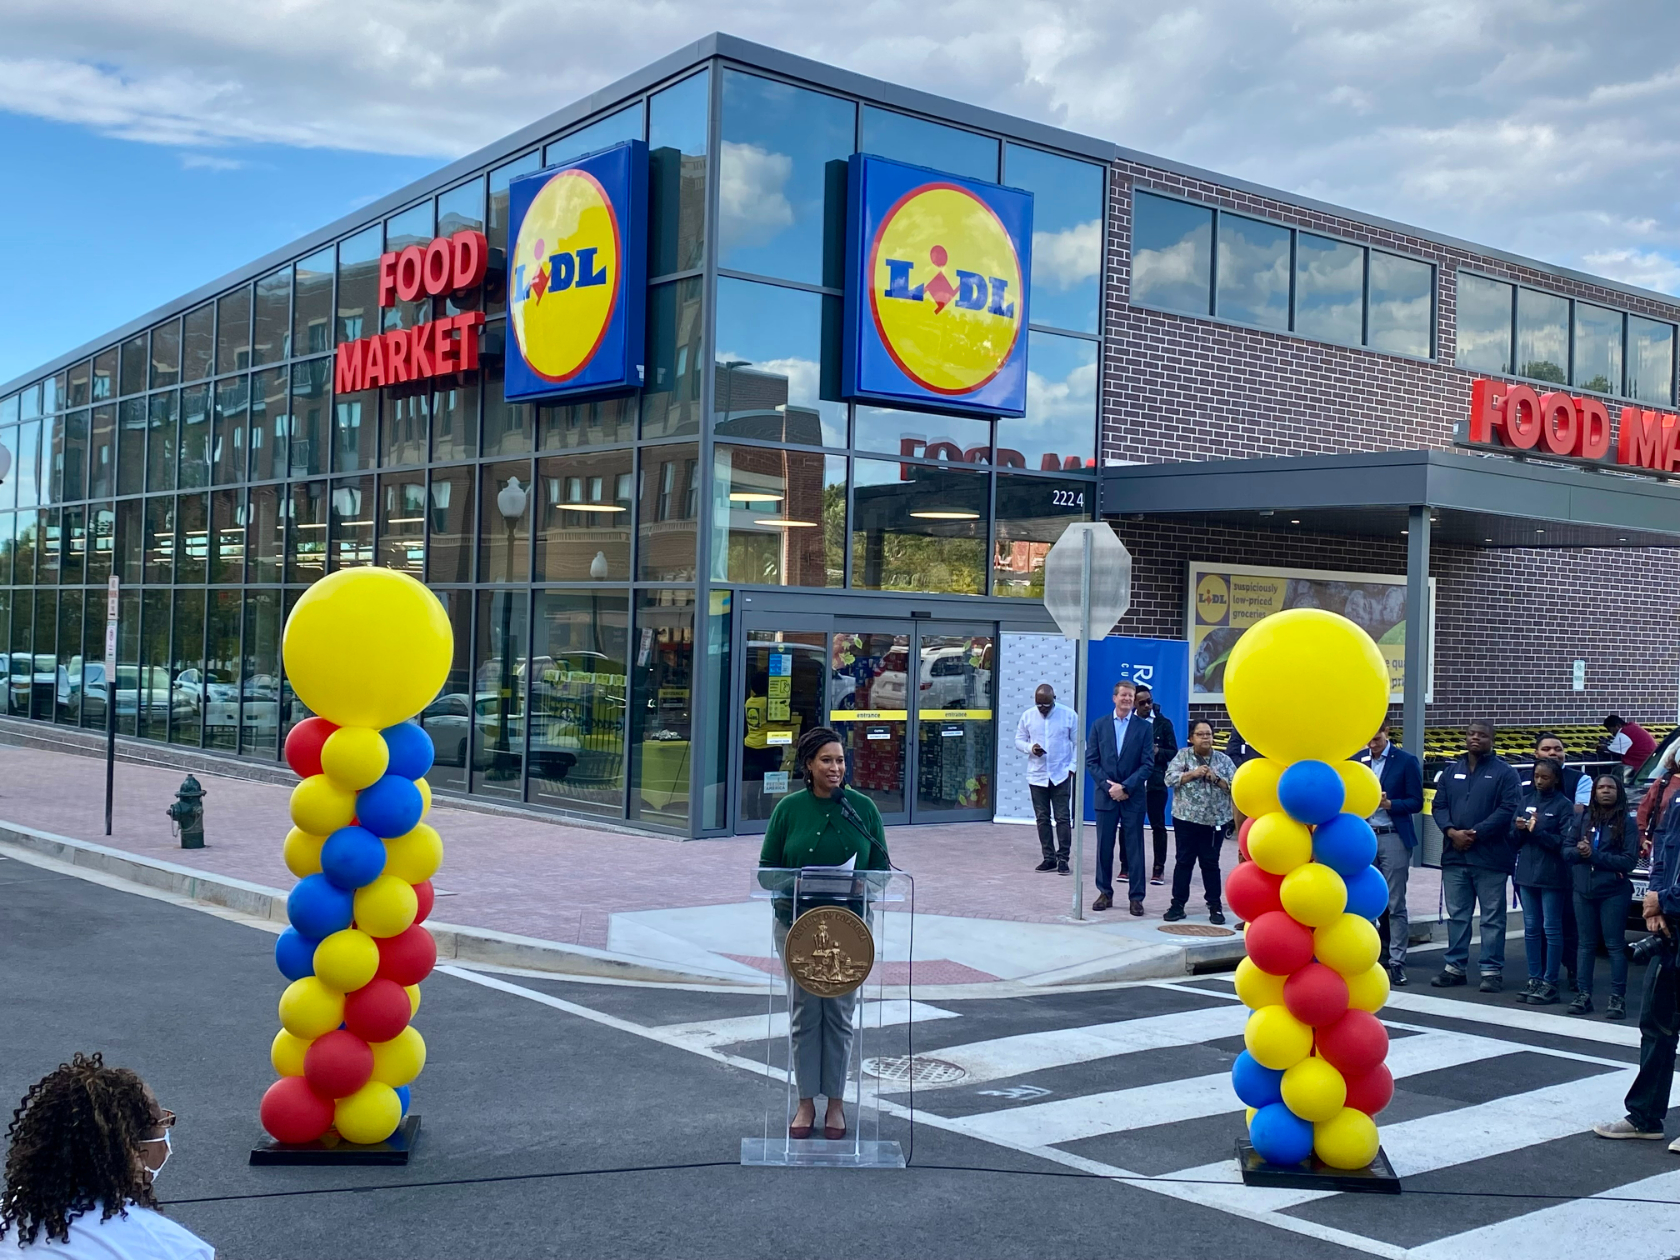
(765,434)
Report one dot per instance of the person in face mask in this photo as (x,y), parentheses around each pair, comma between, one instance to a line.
(86,1146)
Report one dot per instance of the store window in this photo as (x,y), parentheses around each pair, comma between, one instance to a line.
(8,544)
(29,402)
(350,510)
(661,705)
(133,376)
(271,336)
(266,442)
(129,552)
(265,533)
(1329,289)
(162,439)
(1253,272)
(414,226)
(1598,349)
(461,209)
(677,128)
(671,400)
(669,510)
(1059,431)
(101,528)
(596,423)
(1067,235)
(195,438)
(1172,254)
(918,528)
(259,719)
(221,671)
(504,528)
(922,143)
(81,376)
(198,343)
(777,375)
(782,179)
(227,537)
(579,689)
(778,517)
(355,419)
(153,691)
(1402,313)
(449,539)
(233,331)
(75,456)
(132,460)
(159,549)
(102,454)
(449,718)
(583,517)
(104,379)
(923,435)
(404,433)
(187,692)
(1542,336)
(312,305)
(496,219)
(73,543)
(358,284)
(455,421)
(499,677)
(603,133)
(306,540)
(309,427)
(192,537)
(1484,324)
(49,543)
(402,522)
(509,428)
(228,462)
(1650,361)
(166,355)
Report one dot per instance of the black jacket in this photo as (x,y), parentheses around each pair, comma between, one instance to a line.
(1605,873)
(1483,800)
(1166,747)
(1540,862)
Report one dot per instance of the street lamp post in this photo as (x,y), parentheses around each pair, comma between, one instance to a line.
(510,501)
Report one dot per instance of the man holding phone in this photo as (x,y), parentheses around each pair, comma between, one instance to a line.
(1046,734)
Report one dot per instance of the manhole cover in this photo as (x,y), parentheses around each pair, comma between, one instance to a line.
(1195,929)
(918,1071)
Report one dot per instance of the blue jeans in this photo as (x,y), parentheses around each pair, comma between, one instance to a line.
(1602,920)
(1543,930)
(1464,886)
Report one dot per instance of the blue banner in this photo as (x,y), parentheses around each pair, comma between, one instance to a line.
(1162,663)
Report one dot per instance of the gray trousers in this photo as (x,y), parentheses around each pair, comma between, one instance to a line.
(1467,887)
(820,1033)
(1394,860)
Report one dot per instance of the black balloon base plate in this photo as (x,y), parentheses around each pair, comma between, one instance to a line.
(331,1150)
(1312,1173)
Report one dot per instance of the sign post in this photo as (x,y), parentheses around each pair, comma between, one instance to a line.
(1087,583)
(111,592)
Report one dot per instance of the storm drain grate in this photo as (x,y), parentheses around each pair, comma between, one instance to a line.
(1195,929)
(918,1071)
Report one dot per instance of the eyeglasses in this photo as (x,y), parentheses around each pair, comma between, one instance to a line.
(164,1121)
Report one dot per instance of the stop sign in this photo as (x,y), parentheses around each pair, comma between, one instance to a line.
(1111,578)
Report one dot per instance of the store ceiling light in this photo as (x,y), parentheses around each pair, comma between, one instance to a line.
(753,496)
(594,507)
(946,514)
(786,524)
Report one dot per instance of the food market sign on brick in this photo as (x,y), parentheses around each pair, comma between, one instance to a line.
(1558,425)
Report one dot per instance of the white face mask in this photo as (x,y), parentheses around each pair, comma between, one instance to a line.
(168,1150)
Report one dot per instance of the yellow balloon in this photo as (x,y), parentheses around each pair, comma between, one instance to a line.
(321,807)
(413,991)
(1314,1090)
(425,796)
(286,1053)
(369,1115)
(1276,1038)
(1368,990)
(367,647)
(309,1009)
(1278,843)
(1349,946)
(1258,988)
(1305,684)
(1346,1140)
(355,757)
(414,857)
(302,852)
(1248,1116)
(346,960)
(1312,893)
(386,907)
(1254,789)
(399,1060)
(1363,789)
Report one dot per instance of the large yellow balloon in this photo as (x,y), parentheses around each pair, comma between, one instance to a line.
(367,647)
(1312,893)
(320,807)
(1254,789)
(1363,789)
(355,757)
(302,852)
(1314,1090)
(346,960)
(386,907)
(309,1009)
(414,857)
(1258,988)
(1346,1140)
(1349,946)
(399,1060)
(425,789)
(1368,990)
(1278,843)
(1276,1038)
(1305,684)
(413,991)
(369,1115)
(286,1053)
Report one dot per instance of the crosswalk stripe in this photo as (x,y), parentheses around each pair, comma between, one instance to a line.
(706,1033)
(1597,1226)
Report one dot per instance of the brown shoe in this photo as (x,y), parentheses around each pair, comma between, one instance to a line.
(1137,907)
(1103,902)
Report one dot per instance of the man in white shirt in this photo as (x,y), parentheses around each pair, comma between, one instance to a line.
(1046,735)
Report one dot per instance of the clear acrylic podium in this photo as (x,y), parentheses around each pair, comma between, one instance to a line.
(878,1066)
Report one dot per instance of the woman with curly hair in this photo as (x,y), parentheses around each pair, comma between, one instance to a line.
(90,1138)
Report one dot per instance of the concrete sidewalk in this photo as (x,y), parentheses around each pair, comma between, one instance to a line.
(983,914)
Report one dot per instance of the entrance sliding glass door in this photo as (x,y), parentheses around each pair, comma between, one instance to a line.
(956,743)
(869,703)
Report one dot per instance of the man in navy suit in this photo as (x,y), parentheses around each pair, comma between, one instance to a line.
(1402,784)
(1119,756)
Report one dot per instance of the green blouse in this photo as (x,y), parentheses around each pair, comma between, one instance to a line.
(808,830)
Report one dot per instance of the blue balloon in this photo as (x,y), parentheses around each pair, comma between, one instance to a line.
(1279,1136)
(391,807)
(352,857)
(294,954)
(410,748)
(1311,792)
(317,907)
(1256,1085)
(1346,844)
(403,1096)
(1367,894)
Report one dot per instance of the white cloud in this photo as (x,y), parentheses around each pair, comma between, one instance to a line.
(752,206)
(1647,268)
(206,162)
(1068,258)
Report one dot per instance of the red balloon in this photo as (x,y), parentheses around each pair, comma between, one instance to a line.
(377,1011)
(1251,891)
(1354,1044)
(1373,1091)
(1278,944)
(338,1064)
(303,745)
(1242,839)
(425,894)
(292,1112)
(1316,995)
(408,957)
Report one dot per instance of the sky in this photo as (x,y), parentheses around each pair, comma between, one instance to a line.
(152,145)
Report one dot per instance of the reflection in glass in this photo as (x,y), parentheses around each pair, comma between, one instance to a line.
(354,417)
(1484,325)
(773,380)
(227,536)
(1253,272)
(867,674)
(677,125)
(19,683)
(265,533)
(668,517)
(131,459)
(259,716)
(496,228)
(455,422)
(75,456)
(509,428)
(1650,361)
(306,540)
(87,684)
(449,543)
(583,523)
(311,387)
(918,528)
(133,377)
(166,356)
(1059,430)
(955,742)
(402,522)
(162,426)
(160,539)
(186,671)
(358,284)
(26,472)
(1598,349)
(271,338)
(49,542)
(505,522)
(350,523)
(46,657)
(1172,254)
(53,476)
(29,531)
(227,453)
(81,376)
(1032,512)
(461,209)
(671,403)
(778,517)
(221,671)
(104,377)
(102,443)
(781,179)
(1542,336)
(8,543)
(73,546)
(447,719)
(499,676)
(192,537)
(1402,316)
(587,424)
(661,703)
(313,304)
(786,673)
(579,688)
(922,435)
(403,436)
(152,684)
(29,402)
(603,133)
(414,226)
(266,442)
(198,344)
(130,544)
(195,438)
(931,144)
(233,331)
(1329,289)
(68,675)
(102,524)
(1067,235)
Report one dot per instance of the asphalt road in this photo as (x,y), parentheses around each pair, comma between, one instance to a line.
(568,1119)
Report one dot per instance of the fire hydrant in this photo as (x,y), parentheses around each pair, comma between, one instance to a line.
(187,813)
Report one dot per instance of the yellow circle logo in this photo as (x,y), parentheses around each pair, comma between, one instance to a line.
(1213,600)
(945,288)
(563,277)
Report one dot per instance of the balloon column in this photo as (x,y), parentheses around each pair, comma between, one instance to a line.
(366,649)
(1307,688)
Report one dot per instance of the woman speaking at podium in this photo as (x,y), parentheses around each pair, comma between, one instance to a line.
(828,824)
